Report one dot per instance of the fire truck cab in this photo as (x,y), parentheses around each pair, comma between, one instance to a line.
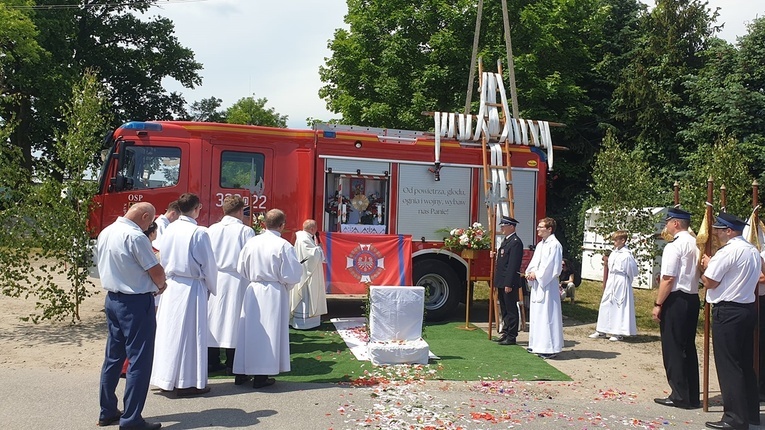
(349,179)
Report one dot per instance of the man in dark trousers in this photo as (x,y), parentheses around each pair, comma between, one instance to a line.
(730,278)
(676,309)
(507,279)
(130,273)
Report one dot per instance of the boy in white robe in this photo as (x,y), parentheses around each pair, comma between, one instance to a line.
(180,359)
(270,264)
(171,214)
(308,300)
(545,315)
(616,315)
(227,237)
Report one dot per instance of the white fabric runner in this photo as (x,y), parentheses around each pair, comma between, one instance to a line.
(351,329)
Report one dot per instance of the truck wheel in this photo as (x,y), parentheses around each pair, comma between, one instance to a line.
(442,288)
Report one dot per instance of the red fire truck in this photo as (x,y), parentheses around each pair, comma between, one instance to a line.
(349,179)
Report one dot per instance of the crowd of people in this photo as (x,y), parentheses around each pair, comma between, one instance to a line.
(179,294)
(731,278)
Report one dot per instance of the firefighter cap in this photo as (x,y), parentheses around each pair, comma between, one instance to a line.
(729,221)
(506,220)
(677,213)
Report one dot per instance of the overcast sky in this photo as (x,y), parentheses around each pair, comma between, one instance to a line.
(273,49)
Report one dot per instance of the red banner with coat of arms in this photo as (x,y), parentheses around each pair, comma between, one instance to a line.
(355,260)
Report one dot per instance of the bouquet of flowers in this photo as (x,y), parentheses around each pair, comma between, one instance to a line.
(473,237)
(333,205)
(258,223)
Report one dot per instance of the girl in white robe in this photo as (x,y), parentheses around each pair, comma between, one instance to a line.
(616,315)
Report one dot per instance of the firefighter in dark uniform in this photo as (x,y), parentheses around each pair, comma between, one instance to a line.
(731,279)
(507,279)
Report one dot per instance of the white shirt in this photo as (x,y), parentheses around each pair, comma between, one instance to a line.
(679,260)
(124,256)
(736,266)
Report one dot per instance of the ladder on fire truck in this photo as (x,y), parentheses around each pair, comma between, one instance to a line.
(496,129)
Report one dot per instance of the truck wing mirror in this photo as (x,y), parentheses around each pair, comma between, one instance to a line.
(120,182)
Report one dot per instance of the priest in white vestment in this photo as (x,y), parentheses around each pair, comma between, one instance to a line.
(545,314)
(308,300)
(270,264)
(227,237)
(180,359)
(616,315)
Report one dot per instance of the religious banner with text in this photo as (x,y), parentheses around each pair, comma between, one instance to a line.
(355,260)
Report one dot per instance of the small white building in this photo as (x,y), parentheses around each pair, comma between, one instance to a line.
(594,245)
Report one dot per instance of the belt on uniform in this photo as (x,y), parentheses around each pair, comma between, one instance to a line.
(732,304)
(120,293)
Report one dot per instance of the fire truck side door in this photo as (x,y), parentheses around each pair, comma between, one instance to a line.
(240,170)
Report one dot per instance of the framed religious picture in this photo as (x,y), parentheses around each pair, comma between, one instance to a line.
(357,187)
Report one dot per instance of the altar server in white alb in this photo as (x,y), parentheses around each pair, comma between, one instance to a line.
(227,237)
(180,360)
(616,315)
(270,264)
(545,315)
(308,300)
(171,215)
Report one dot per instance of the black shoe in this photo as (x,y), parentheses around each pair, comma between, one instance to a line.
(671,403)
(718,425)
(109,421)
(501,338)
(242,379)
(507,341)
(192,391)
(260,383)
(145,426)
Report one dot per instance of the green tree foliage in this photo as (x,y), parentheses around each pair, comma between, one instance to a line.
(625,191)
(726,164)
(728,97)
(399,58)
(651,95)
(46,236)
(252,111)
(207,110)
(131,55)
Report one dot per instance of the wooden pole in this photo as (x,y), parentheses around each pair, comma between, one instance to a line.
(676,189)
(490,218)
(510,60)
(708,251)
(469,257)
(723,198)
(756,217)
(471,75)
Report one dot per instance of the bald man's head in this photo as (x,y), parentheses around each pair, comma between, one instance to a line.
(141,214)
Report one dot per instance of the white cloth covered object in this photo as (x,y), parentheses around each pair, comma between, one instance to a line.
(395,313)
(400,352)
